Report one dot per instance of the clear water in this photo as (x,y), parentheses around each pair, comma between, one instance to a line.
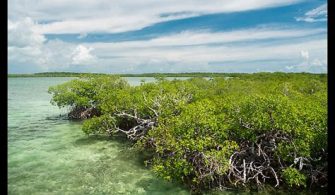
(49,155)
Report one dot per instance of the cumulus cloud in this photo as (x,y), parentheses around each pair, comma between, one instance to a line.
(21,34)
(27,47)
(318,62)
(82,55)
(244,49)
(24,44)
(85,16)
(304,55)
(185,51)
(236,50)
(318,14)
(309,63)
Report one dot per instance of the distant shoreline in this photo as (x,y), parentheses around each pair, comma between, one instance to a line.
(191,74)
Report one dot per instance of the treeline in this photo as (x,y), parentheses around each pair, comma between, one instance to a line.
(209,74)
(54,74)
(249,132)
(191,74)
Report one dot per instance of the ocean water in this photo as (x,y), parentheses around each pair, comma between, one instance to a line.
(50,155)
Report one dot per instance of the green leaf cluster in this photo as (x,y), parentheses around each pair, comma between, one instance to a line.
(201,122)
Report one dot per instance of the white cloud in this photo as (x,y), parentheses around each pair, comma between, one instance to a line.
(304,55)
(24,45)
(318,62)
(289,67)
(189,38)
(84,16)
(318,14)
(21,33)
(82,55)
(239,50)
(208,46)
(27,47)
(307,65)
(316,65)
(182,51)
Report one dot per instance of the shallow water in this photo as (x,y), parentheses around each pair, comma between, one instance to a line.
(49,155)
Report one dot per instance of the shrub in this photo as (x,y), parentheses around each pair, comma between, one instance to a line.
(293,177)
(250,130)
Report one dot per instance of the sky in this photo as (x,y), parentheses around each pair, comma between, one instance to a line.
(143,36)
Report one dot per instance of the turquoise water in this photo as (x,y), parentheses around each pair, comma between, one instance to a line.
(50,155)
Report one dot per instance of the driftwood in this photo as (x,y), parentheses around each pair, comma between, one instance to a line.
(254,163)
(145,123)
(257,162)
(140,129)
(141,125)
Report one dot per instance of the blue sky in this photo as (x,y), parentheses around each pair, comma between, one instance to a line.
(167,36)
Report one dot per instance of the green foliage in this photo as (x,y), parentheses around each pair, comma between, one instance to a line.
(98,125)
(278,75)
(293,177)
(85,91)
(200,123)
